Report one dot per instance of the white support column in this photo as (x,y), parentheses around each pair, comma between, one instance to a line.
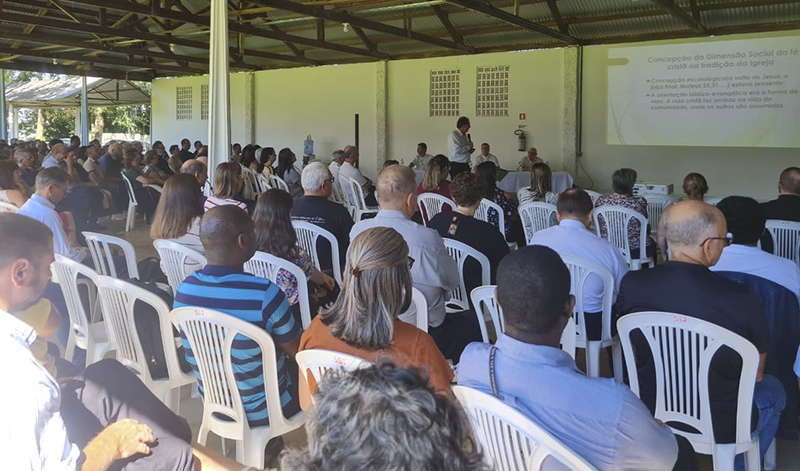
(381,114)
(219,118)
(569,133)
(249,110)
(84,114)
(3,112)
(14,119)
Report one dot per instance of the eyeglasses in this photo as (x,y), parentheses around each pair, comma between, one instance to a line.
(728,239)
(330,180)
(410,263)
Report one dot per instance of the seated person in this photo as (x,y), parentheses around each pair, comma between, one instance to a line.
(315,207)
(485,156)
(389,418)
(146,189)
(787,206)
(228,184)
(286,171)
(363,320)
(421,158)
(541,188)
(695,186)
(487,176)
(462,226)
(275,235)
(12,190)
(526,163)
(745,219)
(349,170)
(533,289)
(228,237)
(178,213)
(572,236)
(434,180)
(267,159)
(622,183)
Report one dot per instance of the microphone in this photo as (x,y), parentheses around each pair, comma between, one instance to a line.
(469,138)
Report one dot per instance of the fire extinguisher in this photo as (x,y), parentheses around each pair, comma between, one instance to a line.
(521,140)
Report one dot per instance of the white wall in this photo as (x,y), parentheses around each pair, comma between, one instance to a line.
(728,170)
(535,88)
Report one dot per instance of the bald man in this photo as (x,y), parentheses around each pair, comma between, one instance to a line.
(57,155)
(433,272)
(696,233)
(228,238)
(197,168)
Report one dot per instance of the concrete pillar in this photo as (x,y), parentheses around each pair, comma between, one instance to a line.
(219,102)
(3,112)
(249,109)
(14,127)
(381,113)
(569,137)
(84,113)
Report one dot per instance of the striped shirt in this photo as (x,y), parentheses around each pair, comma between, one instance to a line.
(257,301)
(213,202)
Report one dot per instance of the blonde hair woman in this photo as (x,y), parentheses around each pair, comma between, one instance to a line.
(434,180)
(227,184)
(541,188)
(363,321)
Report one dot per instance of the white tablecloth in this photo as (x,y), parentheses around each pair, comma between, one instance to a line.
(513,181)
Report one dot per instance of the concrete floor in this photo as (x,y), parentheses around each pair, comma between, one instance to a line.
(191,408)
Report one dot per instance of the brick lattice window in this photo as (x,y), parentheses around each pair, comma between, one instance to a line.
(183,103)
(445,92)
(492,91)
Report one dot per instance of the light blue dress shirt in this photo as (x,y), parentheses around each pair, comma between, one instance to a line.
(434,272)
(50,161)
(754,261)
(458,147)
(44,211)
(600,420)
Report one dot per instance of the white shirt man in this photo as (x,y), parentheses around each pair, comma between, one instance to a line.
(529,160)
(459,146)
(573,237)
(349,170)
(485,156)
(422,157)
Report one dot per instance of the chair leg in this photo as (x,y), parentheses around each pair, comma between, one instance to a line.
(172,399)
(70,350)
(771,457)
(723,457)
(253,452)
(593,359)
(752,458)
(616,358)
(202,436)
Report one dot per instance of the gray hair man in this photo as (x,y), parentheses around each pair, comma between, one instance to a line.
(434,272)
(348,170)
(315,207)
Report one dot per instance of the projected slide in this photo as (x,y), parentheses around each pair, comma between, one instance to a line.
(740,93)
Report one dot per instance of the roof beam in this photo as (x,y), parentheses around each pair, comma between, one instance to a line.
(80,70)
(515,20)
(562,26)
(675,11)
(233,27)
(342,17)
(444,19)
(364,39)
(695,11)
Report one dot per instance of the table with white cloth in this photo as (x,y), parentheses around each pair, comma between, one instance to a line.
(513,181)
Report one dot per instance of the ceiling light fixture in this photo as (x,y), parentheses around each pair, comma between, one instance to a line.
(345,27)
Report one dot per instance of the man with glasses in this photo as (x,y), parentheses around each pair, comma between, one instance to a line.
(697,233)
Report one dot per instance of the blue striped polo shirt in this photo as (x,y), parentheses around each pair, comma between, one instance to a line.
(255,300)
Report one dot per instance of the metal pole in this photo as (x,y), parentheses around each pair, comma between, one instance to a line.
(84,113)
(3,112)
(219,119)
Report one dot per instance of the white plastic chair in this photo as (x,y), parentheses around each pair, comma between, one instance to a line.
(318,362)
(485,303)
(482,213)
(509,440)
(580,269)
(266,266)
(277,182)
(177,261)
(211,335)
(263,183)
(118,298)
(593,195)
(785,239)
(84,332)
(307,237)
(132,204)
(537,216)
(250,187)
(207,190)
(616,220)
(656,204)
(421,307)
(682,348)
(100,246)
(431,204)
(360,208)
(459,297)
(336,194)
(8,208)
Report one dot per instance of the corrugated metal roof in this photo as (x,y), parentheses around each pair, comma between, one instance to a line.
(67,92)
(629,27)
(751,15)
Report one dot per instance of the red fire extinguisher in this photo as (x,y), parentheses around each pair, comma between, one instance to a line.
(521,140)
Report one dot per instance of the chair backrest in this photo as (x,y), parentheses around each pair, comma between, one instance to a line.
(482,213)
(358,194)
(785,239)
(308,235)
(100,246)
(431,204)
(267,266)
(207,190)
(66,273)
(336,194)
(211,335)
(129,187)
(177,261)
(593,195)
(421,306)
(682,348)
(277,182)
(263,183)
(509,440)
(250,187)
(616,220)
(580,269)
(8,208)
(117,298)
(536,216)
(656,204)
(459,297)
(484,301)
(318,362)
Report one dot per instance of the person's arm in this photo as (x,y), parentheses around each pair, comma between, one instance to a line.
(119,440)
(640,441)
(321,279)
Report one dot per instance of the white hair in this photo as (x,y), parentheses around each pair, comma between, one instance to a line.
(314,176)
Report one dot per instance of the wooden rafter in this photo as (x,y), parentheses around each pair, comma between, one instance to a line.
(515,20)
(675,11)
(562,26)
(444,19)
